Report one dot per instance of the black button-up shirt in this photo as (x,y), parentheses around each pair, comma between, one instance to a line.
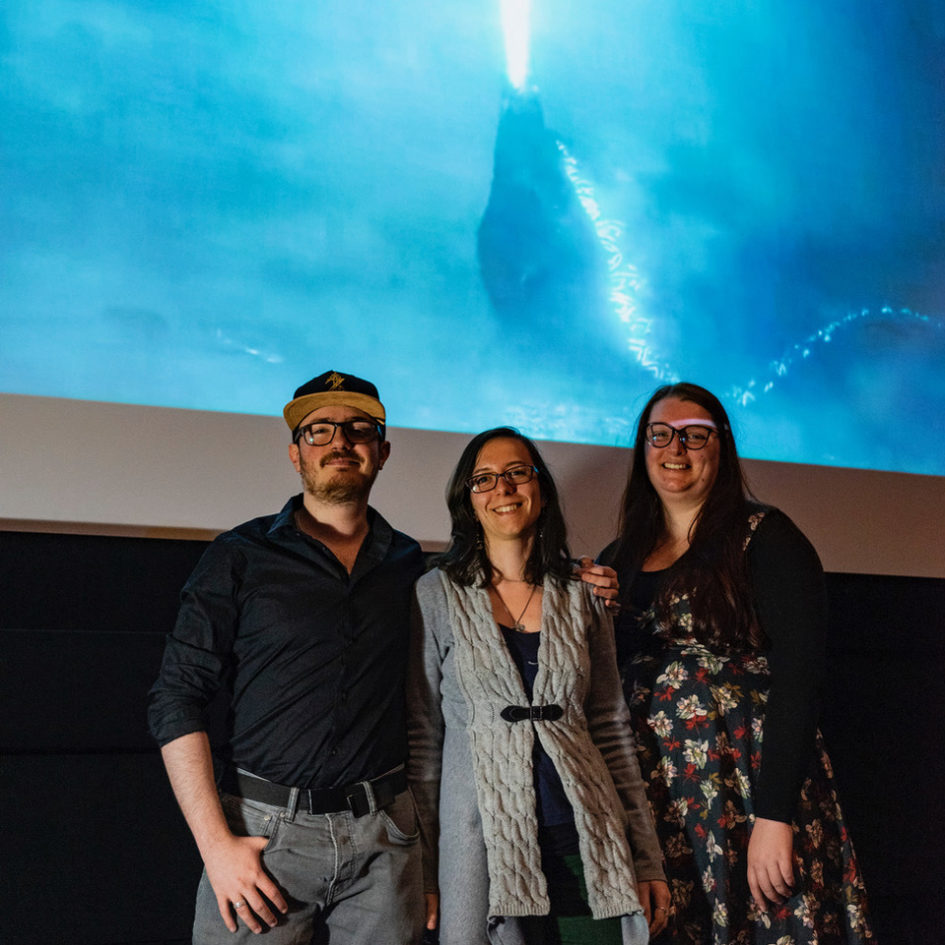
(316,657)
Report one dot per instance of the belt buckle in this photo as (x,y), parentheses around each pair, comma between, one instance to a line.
(360,798)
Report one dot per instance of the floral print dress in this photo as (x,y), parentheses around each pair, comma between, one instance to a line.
(698,716)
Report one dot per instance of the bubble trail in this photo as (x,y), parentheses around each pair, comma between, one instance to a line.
(809,347)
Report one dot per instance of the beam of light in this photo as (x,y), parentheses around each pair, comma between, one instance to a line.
(625,279)
(516,15)
(808,346)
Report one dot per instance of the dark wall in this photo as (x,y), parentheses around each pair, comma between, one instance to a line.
(93,848)
(883,726)
(94,851)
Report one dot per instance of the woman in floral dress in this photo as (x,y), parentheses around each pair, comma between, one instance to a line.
(721,650)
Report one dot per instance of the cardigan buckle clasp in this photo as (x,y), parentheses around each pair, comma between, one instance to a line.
(532,713)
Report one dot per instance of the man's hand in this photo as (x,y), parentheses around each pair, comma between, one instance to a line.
(770,862)
(655,899)
(234,864)
(433,908)
(242,886)
(602,578)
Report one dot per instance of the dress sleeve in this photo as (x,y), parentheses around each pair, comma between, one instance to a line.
(608,721)
(791,604)
(198,652)
(428,629)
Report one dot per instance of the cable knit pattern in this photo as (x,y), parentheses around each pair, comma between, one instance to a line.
(462,670)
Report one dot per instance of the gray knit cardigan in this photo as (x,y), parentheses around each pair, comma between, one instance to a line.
(471,770)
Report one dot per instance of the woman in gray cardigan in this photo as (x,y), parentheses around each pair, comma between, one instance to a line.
(533,817)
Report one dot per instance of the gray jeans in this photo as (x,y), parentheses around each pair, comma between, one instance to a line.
(348,880)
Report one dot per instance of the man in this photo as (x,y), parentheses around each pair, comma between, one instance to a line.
(304,615)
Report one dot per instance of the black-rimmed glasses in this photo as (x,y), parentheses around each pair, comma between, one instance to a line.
(516,476)
(692,437)
(322,432)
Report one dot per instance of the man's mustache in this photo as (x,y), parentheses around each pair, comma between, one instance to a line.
(338,454)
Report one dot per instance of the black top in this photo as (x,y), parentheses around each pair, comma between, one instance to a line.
(789,594)
(316,657)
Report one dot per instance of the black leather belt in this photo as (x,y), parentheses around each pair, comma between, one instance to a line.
(355,797)
(532,713)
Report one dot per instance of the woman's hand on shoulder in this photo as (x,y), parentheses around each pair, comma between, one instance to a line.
(770,862)
(655,898)
(602,578)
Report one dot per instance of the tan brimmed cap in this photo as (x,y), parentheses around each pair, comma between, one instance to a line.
(333,388)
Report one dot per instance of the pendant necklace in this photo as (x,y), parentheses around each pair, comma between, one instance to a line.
(517,624)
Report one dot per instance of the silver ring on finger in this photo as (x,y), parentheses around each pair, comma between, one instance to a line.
(239,905)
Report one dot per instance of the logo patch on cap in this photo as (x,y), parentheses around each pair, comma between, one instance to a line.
(335,380)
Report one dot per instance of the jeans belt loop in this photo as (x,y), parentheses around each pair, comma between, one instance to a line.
(369,795)
(292,805)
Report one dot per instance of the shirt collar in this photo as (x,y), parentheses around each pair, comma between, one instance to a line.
(376,545)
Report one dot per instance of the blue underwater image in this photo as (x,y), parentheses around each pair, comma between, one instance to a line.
(499,211)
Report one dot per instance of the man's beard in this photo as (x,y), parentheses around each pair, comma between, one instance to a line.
(342,488)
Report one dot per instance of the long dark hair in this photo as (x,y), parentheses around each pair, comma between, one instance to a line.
(714,571)
(465,559)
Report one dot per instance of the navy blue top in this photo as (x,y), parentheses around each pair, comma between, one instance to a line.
(552,805)
(315,658)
